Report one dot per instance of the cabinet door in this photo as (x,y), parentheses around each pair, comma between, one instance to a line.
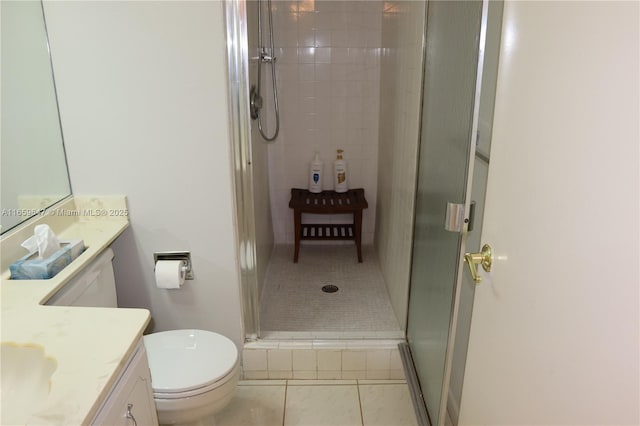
(130,403)
(94,286)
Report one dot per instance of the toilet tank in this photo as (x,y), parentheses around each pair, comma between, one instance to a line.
(94,286)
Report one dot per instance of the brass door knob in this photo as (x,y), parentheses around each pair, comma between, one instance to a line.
(483,258)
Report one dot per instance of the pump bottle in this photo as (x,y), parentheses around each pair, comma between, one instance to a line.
(315,175)
(340,174)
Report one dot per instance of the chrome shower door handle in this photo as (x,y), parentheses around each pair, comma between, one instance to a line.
(484,258)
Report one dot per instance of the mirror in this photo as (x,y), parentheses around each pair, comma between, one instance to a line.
(33,168)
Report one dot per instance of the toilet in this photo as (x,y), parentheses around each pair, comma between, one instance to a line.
(193,372)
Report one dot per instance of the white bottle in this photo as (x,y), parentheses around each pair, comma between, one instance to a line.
(315,175)
(340,174)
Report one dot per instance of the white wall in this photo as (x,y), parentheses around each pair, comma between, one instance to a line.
(142,89)
(328,86)
(400,97)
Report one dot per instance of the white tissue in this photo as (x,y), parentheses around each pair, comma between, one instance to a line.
(44,241)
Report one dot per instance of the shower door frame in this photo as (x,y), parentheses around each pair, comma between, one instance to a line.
(417,394)
(238,100)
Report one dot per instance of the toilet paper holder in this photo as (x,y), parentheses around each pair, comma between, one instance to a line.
(184,256)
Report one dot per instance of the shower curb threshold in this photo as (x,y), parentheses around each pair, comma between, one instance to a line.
(361,344)
(322,359)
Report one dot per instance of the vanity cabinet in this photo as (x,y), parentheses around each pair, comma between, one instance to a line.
(130,402)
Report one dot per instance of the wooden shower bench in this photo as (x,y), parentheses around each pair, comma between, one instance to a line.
(328,202)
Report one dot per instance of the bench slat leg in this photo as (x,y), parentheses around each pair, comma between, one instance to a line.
(357,220)
(298,231)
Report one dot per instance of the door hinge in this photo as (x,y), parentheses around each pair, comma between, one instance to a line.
(454,218)
(472,216)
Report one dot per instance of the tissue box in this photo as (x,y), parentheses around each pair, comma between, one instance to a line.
(31,268)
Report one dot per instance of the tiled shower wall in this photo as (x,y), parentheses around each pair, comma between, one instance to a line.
(349,76)
(400,91)
(328,71)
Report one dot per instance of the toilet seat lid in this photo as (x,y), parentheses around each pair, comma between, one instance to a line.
(183,360)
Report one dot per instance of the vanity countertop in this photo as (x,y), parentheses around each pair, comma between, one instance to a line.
(90,345)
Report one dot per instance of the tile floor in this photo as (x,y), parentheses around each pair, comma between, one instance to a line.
(319,403)
(293,302)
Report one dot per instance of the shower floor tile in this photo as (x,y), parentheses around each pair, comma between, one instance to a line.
(293,301)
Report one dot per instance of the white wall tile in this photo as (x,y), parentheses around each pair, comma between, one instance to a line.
(256,375)
(306,37)
(359,374)
(254,359)
(378,360)
(286,38)
(322,71)
(329,360)
(306,20)
(279,359)
(332,38)
(378,374)
(323,38)
(306,55)
(323,55)
(339,38)
(287,55)
(305,375)
(300,362)
(306,72)
(399,113)
(280,374)
(304,360)
(353,360)
(329,375)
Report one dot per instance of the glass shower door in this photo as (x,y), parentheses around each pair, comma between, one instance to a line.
(453,42)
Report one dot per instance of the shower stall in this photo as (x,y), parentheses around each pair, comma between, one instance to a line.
(396,85)
(347,76)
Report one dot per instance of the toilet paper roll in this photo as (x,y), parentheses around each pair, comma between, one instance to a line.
(169,274)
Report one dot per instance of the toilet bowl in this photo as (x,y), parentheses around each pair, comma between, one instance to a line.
(193,374)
